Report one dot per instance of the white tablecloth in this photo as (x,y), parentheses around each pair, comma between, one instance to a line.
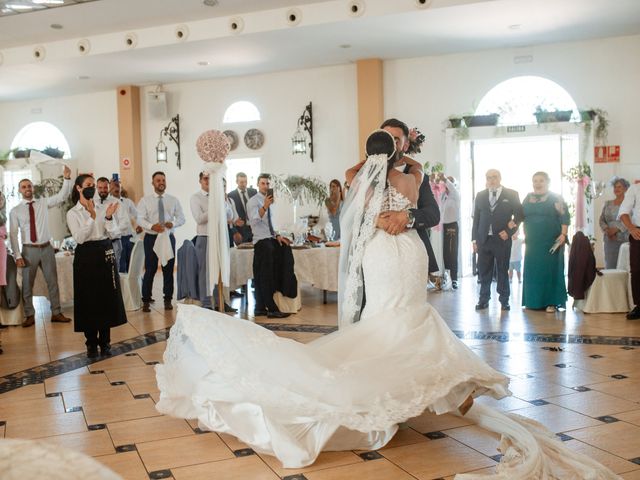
(64,266)
(316,266)
(608,293)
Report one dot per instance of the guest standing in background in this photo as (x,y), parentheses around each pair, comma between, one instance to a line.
(240,197)
(450,230)
(546,223)
(104,198)
(30,219)
(126,218)
(334,206)
(3,238)
(630,216)
(158,213)
(515,262)
(98,304)
(614,231)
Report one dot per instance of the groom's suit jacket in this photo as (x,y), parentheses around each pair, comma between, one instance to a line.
(427,215)
(507,208)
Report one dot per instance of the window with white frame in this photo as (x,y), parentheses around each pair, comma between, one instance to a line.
(40,135)
(241,111)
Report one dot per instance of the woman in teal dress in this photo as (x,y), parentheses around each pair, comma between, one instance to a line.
(546,221)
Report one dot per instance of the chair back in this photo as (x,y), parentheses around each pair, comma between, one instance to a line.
(137,260)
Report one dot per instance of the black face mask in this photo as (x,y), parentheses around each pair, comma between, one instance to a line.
(89,192)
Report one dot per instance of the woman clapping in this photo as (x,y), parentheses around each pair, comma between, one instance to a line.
(98,304)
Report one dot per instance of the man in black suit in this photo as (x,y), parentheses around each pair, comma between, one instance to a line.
(427,213)
(240,197)
(496,210)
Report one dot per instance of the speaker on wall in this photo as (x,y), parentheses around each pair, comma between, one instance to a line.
(157,102)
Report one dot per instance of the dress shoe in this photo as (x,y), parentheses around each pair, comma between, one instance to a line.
(634,314)
(152,300)
(482,306)
(454,284)
(59,318)
(30,320)
(550,309)
(259,313)
(277,314)
(105,350)
(92,352)
(145,307)
(235,294)
(229,309)
(505,307)
(167,305)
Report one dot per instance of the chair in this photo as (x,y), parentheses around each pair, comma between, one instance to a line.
(131,282)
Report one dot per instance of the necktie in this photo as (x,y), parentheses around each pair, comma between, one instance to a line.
(32,224)
(271,231)
(160,210)
(494,198)
(244,200)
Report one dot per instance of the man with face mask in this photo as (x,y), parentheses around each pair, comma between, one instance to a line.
(30,219)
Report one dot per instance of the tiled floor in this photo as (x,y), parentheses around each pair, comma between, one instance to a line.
(575,373)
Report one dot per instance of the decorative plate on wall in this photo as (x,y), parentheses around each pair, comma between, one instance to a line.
(254,139)
(233,139)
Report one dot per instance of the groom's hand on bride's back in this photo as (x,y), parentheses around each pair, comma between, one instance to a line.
(393,222)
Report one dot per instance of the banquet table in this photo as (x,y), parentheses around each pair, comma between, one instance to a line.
(315,266)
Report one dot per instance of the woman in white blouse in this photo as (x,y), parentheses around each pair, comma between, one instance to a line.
(98,304)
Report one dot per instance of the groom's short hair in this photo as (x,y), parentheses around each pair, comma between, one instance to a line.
(395,123)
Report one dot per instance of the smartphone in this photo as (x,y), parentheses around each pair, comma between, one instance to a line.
(270,192)
(115,177)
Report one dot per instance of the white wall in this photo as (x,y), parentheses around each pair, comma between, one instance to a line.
(281,98)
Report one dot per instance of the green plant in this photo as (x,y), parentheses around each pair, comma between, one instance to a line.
(53,152)
(436,168)
(295,187)
(601,131)
(49,187)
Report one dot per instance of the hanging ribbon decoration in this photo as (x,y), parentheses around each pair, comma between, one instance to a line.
(582,182)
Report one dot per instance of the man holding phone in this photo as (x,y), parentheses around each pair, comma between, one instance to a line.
(266,243)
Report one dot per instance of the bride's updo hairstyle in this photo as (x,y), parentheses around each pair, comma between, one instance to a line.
(381,142)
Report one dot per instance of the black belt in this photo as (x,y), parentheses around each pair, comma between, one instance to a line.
(37,245)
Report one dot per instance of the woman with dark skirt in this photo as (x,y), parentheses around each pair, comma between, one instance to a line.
(98,304)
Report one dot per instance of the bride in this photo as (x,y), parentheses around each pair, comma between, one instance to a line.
(388,362)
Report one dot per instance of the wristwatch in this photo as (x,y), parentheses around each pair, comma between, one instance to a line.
(411,219)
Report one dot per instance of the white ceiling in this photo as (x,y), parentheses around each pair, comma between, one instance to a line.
(387,29)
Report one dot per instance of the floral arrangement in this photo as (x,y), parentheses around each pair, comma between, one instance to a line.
(578,173)
(416,139)
(295,187)
(213,146)
(430,170)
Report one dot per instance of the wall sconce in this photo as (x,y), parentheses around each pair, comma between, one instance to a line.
(299,139)
(172,130)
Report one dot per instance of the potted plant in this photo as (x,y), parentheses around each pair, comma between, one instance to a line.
(490,120)
(53,152)
(587,115)
(21,152)
(549,116)
(455,121)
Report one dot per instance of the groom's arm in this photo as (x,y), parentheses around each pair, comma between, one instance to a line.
(427,214)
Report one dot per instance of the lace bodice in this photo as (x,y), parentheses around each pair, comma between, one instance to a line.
(395,201)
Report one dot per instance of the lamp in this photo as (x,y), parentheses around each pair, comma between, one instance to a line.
(299,139)
(172,130)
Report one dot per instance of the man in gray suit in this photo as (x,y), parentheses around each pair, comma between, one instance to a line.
(240,197)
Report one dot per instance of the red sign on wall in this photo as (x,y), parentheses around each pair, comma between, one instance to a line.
(607,154)
(126,163)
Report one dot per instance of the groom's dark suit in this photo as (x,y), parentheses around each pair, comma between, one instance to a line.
(427,215)
(234,195)
(489,219)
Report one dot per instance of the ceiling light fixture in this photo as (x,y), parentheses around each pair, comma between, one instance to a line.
(83,77)
(204,64)
(515,26)
(48,2)
(210,3)
(56,26)
(14,6)
(345,45)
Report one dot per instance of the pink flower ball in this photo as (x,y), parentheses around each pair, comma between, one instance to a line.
(213,146)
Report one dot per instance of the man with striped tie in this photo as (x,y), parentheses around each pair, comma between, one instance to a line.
(241,197)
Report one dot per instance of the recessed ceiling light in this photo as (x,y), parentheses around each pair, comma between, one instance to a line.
(204,64)
(83,77)
(56,26)
(515,26)
(210,3)
(14,6)
(345,45)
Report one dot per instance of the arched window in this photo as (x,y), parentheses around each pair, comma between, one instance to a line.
(39,136)
(517,99)
(242,111)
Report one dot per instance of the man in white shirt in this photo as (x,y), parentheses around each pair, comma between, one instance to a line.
(126,216)
(199,204)
(101,202)
(629,214)
(450,229)
(158,213)
(30,218)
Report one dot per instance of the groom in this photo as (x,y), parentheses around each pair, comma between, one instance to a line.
(496,208)
(427,214)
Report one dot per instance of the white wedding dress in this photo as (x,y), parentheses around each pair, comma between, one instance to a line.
(347,390)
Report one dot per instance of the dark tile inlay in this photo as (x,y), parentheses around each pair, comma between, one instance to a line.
(435,435)
(54,394)
(244,452)
(635,460)
(200,431)
(497,458)
(607,419)
(297,476)
(142,395)
(96,372)
(152,363)
(539,402)
(619,376)
(73,409)
(596,356)
(627,348)
(372,455)
(126,448)
(117,383)
(160,474)
(97,426)
(561,365)
(130,354)
(563,437)
(581,389)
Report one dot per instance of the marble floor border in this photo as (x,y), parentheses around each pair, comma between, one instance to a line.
(40,373)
